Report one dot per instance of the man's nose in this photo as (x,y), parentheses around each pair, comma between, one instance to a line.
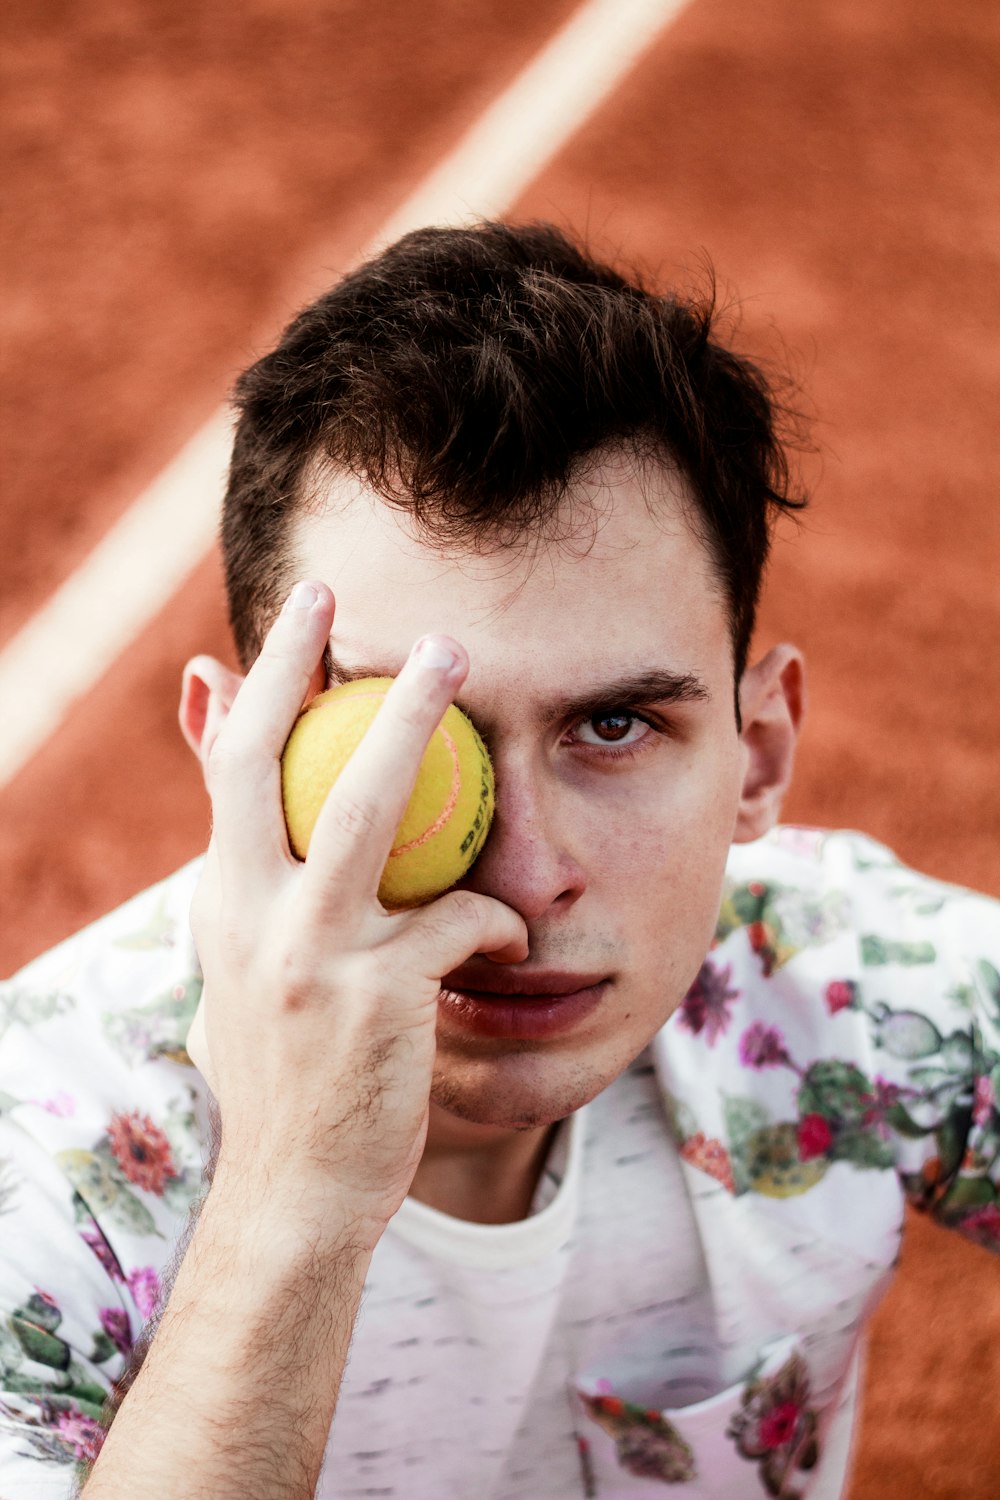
(527,861)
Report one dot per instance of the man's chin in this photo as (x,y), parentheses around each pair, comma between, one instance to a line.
(484,1096)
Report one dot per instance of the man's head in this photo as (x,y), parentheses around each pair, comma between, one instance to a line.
(469,377)
(485,436)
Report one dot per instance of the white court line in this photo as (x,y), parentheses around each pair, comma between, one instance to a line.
(141,562)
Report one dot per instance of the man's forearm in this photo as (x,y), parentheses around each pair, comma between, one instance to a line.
(237,1393)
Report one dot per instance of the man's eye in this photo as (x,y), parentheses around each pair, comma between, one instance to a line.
(616,728)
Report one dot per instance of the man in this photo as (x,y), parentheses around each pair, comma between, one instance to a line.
(595,1164)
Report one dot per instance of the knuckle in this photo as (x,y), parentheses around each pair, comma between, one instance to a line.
(421,711)
(354,817)
(281,655)
(417,714)
(457,917)
(462,909)
(296,980)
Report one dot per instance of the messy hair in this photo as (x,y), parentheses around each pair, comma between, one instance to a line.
(468,376)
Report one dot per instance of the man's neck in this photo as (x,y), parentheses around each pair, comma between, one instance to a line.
(480,1173)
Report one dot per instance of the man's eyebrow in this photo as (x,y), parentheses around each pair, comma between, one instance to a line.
(337,674)
(631,690)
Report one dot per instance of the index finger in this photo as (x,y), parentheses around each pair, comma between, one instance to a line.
(357,824)
(244,764)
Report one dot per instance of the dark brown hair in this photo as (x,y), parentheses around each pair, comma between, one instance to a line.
(467,375)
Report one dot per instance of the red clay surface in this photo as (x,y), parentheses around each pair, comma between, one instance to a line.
(166,165)
(837,161)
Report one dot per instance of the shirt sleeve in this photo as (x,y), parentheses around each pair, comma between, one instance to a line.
(930,986)
(67,1321)
(101,1154)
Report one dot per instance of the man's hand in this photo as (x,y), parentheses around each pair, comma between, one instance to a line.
(318,1043)
(319,1015)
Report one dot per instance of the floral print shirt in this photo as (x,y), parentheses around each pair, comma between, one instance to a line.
(838,1053)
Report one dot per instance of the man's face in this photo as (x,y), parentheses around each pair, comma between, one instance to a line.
(613,823)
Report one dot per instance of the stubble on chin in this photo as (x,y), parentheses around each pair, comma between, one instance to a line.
(484,1096)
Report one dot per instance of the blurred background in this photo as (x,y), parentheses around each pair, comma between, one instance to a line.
(180,176)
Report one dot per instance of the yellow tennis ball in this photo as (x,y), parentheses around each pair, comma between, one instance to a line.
(447,817)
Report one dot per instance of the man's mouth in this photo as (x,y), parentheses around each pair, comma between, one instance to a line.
(520,1004)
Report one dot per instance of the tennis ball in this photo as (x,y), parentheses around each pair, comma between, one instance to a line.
(447,817)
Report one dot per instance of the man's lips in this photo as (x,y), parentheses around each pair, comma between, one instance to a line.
(519,1005)
(510,983)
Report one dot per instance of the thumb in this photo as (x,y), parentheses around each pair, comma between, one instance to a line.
(460,923)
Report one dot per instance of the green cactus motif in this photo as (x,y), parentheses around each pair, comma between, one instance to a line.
(41,1310)
(773,1163)
(884,859)
(905,1034)
(34,1326)
(780,921)
(28,1008)
(989,977)
(100,1183)
(877,951)
(158,1029)
(743,1119)
(43,1347)
(843,1096)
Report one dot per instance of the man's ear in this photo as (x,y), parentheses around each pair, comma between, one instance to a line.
(208,690)
(772,702)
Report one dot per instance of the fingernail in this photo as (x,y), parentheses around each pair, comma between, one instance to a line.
(434,654)
(303,596)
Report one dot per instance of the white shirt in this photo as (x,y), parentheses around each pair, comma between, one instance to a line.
(461,1378)
(684,1304)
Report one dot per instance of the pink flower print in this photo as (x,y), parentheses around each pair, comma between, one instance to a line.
(705,1007)
(983,1100)
(114,1321)
(62,1104)
(814,1137)
(840,994)
(109,1260)
(884,1097)
(141,1150)
(762,1047)
(983,1226)
(777,1427)
(144,1284)
(83,1434)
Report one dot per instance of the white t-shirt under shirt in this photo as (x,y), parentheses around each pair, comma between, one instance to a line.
(472,1338)
(460,1378)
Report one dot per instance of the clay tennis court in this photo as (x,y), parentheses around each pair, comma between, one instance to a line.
(180,176)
